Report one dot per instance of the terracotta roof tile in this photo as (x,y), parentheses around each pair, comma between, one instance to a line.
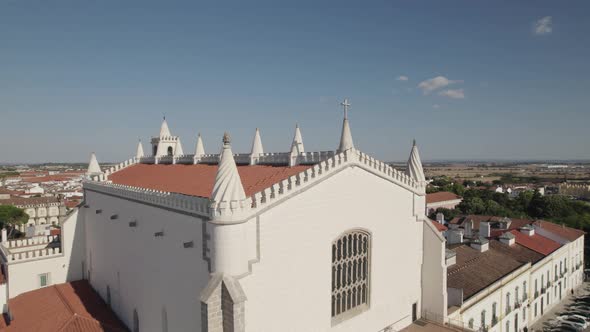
(197,180)
(28,201)
(475,271)
(440,227)
(568,233)
(71,307)
(536,242)
(441,196)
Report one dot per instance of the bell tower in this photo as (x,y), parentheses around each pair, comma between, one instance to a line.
(165,144)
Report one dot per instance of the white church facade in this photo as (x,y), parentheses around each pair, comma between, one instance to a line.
(297,241)
(287,241)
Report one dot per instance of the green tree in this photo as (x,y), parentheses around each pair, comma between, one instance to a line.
(12,216)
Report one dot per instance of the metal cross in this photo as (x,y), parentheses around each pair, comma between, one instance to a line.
(345,104)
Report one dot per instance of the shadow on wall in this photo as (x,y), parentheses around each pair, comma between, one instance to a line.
(73,244)
(92,305)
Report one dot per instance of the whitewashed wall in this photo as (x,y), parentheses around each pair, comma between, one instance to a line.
(24,276)
(146,273)
(434,274)
(290,288)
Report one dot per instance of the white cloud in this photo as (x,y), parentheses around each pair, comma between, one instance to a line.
(435,83)
(455,94)
(543,26)
(402,78)
(436,106)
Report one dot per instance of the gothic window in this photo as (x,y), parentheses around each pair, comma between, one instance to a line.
(483,318)
(470,323)
(170,151)
(350,274)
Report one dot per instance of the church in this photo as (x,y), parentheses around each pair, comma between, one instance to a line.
(261,241)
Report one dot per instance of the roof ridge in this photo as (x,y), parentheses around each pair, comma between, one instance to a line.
(63,299)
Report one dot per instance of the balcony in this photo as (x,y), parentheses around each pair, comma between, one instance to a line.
(517,305)
(494,320)
(543,289)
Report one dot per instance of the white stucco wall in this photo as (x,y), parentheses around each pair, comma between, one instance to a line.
(434,274)
(144,272)
(290,288)
(24,276)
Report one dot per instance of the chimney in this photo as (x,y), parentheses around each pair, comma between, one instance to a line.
(468,228)
(480,244)
(484,229)
(527,230)
(440,218)
(454,236)
(508,238)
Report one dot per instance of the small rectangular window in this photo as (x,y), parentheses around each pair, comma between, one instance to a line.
(43,279)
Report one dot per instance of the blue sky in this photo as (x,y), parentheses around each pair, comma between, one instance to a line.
(485,80)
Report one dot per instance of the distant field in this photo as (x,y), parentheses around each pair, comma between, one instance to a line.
(488,173)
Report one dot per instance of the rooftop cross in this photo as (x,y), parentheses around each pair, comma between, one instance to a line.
(345,104)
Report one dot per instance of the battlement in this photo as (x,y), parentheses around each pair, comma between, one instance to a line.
(269,158)
(33,254)
(324,163)
(104,176)
(32,241)
(185,203)
(157,139)
(327,166)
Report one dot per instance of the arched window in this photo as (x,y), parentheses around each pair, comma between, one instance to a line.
(524,291)
(470,323)
(483,318)
(350,274)
(507,326)
(135,321)
(155,149)
(170,151)
(494,305)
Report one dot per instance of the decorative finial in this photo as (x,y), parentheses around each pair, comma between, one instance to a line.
(164,116)
(345,104)
(226,138)
(414,142)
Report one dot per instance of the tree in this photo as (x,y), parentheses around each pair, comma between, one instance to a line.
(12,216)
(449,214)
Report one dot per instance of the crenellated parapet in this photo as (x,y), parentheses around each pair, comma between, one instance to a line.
(324,164)
(184,203)
(324,168)
(31,241)
(105,175)
(268,158)
(32,255)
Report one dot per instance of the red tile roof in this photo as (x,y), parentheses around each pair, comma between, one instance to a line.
(21,201)
(440,227)
(515,224)
(197,180)
(72,307)
(441,196)
(536,242)
(476,270)
(568,233)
